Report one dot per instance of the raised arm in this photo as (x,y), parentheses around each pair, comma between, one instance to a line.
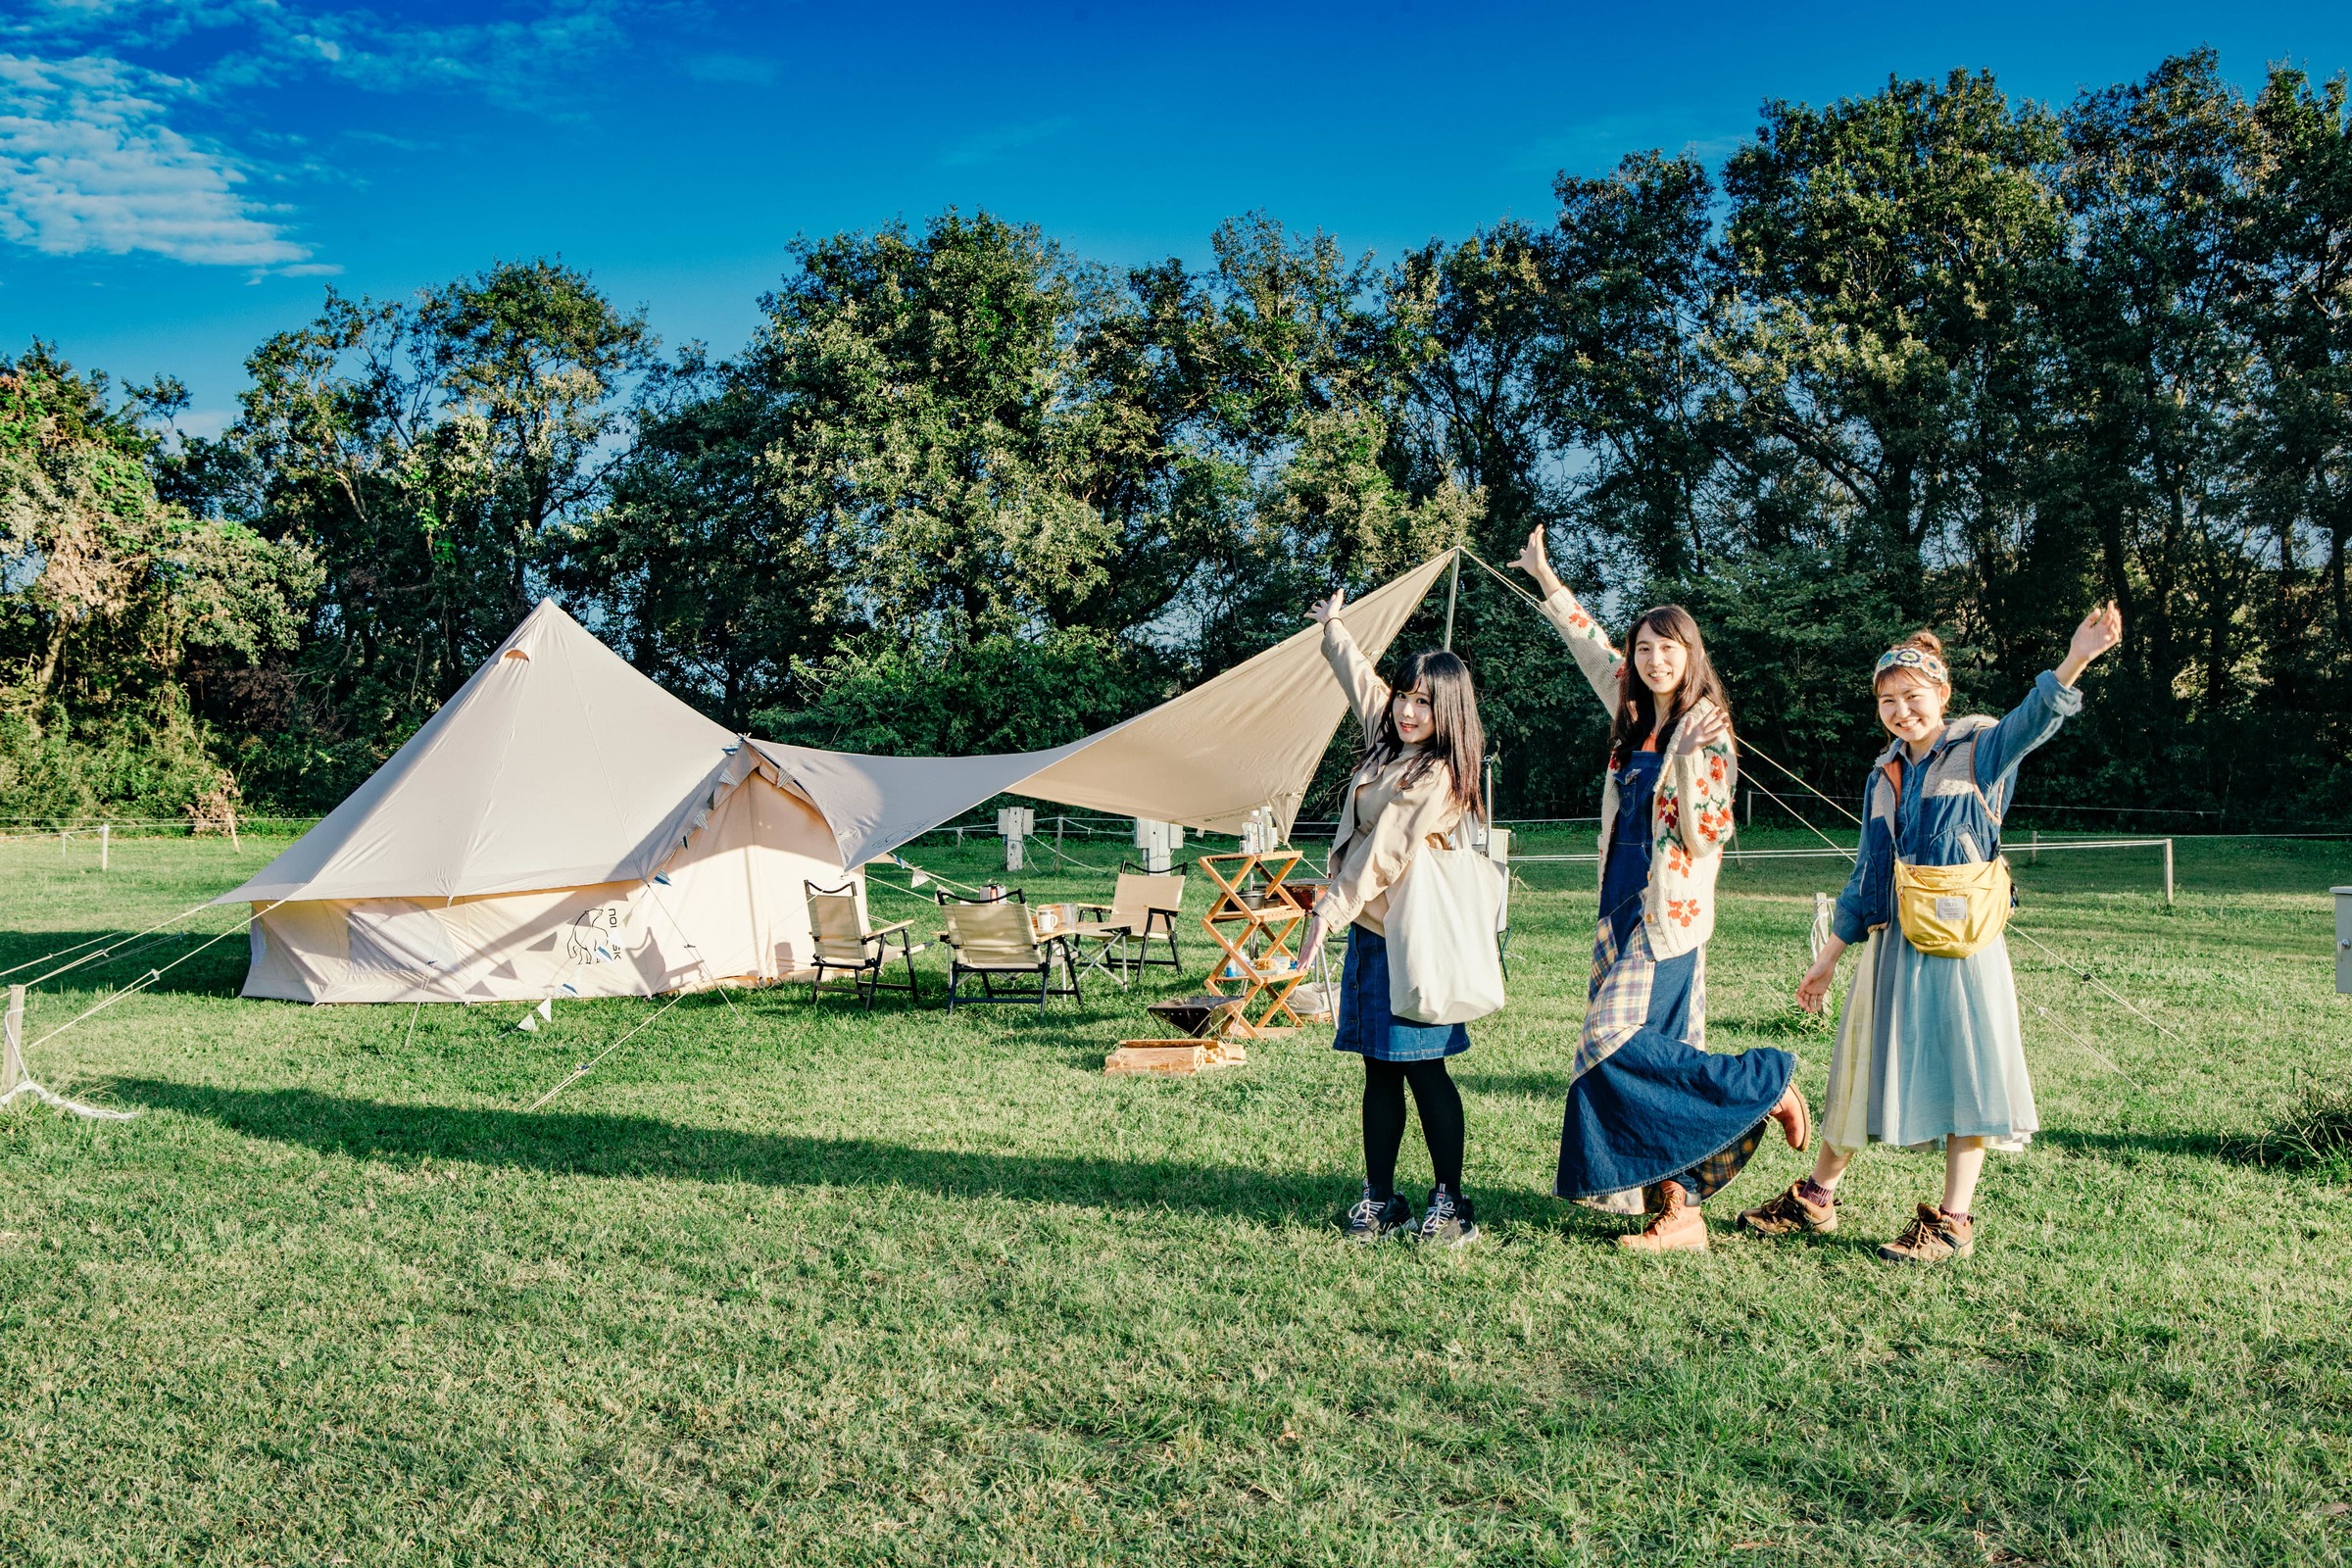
(1585,640)
(1367,693)
(2054,701)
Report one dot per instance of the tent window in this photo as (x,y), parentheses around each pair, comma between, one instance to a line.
(398,935)
(517,652)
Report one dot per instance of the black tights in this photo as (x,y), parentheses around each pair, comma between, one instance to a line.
(1440,1105)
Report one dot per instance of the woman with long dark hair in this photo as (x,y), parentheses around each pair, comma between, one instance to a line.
(1417,777)
(1655,1122)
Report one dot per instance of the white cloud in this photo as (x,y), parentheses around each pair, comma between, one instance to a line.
(88,163)
(528,61)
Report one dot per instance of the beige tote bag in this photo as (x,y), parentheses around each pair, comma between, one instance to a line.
(1444,966)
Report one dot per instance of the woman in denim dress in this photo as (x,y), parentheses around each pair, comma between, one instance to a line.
(1928,1049)
(1654,1120)
(1417,777)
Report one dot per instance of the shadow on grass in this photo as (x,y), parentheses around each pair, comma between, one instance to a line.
(2203,1145)
(637,1148)
(102,961)
(2311,1136)
(1540,1085)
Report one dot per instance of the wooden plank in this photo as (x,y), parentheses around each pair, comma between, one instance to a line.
(1157,1055)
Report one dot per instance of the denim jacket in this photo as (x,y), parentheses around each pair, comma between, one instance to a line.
(1945,826)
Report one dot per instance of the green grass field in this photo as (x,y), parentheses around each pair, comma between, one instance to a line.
(795,1285)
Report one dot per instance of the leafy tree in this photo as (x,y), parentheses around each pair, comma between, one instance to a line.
(433,455)
(113,598)
(1876,259)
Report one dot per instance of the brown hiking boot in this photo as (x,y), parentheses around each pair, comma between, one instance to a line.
(1934,1237)
(1790,1213)
(1679,1227)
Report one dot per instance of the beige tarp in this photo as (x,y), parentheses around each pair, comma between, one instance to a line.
(1250,738)
(875,803)
(564,825)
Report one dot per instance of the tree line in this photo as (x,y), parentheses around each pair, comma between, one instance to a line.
(1927,357)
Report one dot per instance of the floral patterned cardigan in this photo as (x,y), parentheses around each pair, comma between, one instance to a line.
(1691,815)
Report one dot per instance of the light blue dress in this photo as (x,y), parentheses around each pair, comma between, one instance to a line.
(1947,1058)
(1947,1055)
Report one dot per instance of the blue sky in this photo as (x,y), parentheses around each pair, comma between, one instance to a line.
(179,179)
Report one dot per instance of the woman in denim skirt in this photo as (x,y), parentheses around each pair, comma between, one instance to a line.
(1417,776)
(1655,1121)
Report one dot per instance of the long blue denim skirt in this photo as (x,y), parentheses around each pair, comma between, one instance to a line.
(1367,1028)
(1659,1107)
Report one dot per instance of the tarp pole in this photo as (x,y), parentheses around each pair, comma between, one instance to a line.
(1454,586)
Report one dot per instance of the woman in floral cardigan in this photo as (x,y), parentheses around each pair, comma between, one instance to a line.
(1655,1122)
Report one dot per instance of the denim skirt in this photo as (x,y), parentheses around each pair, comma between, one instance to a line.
(1367,1028)
(1658,1106)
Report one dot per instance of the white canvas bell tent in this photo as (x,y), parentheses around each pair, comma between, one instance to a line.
(561,826)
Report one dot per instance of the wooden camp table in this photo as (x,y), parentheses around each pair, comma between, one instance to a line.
(1253,924)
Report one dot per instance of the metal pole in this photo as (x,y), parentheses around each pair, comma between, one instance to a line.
(1452,586)
(105,842)
(2343,940)
(2168,874)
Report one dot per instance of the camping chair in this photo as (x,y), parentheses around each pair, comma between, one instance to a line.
(843,943)
(1143,907)
(995,938)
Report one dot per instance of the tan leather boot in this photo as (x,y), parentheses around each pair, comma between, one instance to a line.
(1679,1227)
(1934,1237)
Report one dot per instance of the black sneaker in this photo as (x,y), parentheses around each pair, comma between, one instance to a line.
(1450,1220)
(1371,1220)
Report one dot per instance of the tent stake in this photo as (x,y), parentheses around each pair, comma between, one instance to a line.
(11,1051)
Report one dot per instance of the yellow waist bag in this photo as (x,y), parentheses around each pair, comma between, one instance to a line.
(1949,912)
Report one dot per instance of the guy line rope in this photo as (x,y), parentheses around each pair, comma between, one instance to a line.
(30,1087)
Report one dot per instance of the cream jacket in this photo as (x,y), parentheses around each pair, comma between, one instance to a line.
(1690,816)
(1384,820)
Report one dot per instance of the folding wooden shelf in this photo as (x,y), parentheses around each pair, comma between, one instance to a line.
(1252,919)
